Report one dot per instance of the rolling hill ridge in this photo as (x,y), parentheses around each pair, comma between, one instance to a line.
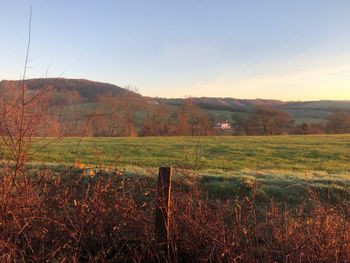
(302,111)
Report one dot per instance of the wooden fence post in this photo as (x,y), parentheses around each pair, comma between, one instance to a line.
(162,222)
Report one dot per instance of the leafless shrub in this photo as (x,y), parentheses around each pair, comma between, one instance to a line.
(73,216)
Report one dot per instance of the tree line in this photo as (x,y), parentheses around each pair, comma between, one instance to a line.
(130,114)
(272,121)
(66,113)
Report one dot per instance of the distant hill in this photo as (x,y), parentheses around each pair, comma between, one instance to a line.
(226,104)
(245,105)
(302,111)
(87,89)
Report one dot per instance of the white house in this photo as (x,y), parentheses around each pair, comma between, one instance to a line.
(224,125)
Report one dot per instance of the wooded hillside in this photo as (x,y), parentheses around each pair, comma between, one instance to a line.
(77,107)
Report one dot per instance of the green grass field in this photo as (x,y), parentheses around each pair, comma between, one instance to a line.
(330,153)
(225,166)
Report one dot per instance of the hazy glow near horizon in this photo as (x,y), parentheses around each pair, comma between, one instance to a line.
(289,50)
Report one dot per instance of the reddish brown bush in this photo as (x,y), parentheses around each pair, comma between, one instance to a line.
(71,216)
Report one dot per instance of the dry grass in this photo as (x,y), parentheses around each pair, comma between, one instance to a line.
(71,216)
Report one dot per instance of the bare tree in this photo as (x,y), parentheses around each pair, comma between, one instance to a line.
(22,115)
(191,120)
(111,119)
(131,102)
(270,121)
(338,122)
(157,121)
(119,113)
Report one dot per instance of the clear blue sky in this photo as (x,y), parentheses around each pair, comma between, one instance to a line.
(289,50)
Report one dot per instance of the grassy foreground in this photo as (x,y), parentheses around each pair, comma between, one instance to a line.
(330,153)
(224,166)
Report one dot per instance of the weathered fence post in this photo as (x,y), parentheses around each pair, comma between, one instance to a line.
(162,222)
